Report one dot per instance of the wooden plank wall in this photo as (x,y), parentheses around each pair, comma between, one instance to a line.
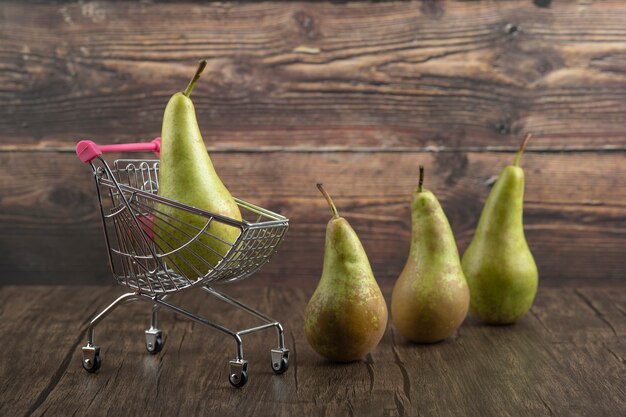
(355,95)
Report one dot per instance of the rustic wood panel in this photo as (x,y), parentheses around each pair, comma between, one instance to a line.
(574,215)
(355,95)
(391,75)
(553,366)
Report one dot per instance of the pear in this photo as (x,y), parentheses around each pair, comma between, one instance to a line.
(430,299)
(187,175)
(500,270)
(347,315)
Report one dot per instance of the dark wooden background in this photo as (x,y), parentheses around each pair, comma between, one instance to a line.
(355,95)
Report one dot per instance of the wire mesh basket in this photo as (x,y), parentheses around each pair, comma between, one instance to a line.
(158,246)
(146,257)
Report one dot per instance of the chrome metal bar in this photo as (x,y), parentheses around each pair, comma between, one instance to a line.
(256,329)
(175,204)
(237,303)
(126,202)
(259,210)
(125,298)
(281,335)
(155,310)
(197,319)
(271,322)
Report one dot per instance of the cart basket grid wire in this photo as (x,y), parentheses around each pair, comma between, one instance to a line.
(157,245)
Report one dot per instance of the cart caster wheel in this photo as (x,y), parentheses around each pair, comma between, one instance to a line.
(92,366)
(280,368)
(280,360)
(238,373)
(238,381)
(154,341)
(155,347)
(91,359)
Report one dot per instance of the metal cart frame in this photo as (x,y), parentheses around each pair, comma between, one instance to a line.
(139,229)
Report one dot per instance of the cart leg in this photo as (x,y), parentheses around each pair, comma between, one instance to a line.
(238,369)
(91,352)
(154,336)
(280,355)
(238,375)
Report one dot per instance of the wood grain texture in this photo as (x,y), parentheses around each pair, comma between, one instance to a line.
(356,95)
(314,75)
(565,358)
(42,334)
(574,210)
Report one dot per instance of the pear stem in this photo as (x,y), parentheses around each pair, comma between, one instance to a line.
(522,147)
(420,185)
(330,200)
(192,83)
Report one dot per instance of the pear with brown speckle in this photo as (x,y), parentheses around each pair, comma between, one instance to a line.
(431,297)
(347,315)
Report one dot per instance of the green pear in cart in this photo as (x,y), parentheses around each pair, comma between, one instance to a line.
(498,264)
(187,176)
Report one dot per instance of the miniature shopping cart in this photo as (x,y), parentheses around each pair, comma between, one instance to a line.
(136,223)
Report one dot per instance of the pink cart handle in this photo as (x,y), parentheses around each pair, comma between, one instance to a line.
(87,150)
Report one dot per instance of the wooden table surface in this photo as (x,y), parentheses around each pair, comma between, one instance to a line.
(565,358)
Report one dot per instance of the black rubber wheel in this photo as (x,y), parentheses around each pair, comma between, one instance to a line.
(97,363)
(240,382)
(158,346)
(280,368)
